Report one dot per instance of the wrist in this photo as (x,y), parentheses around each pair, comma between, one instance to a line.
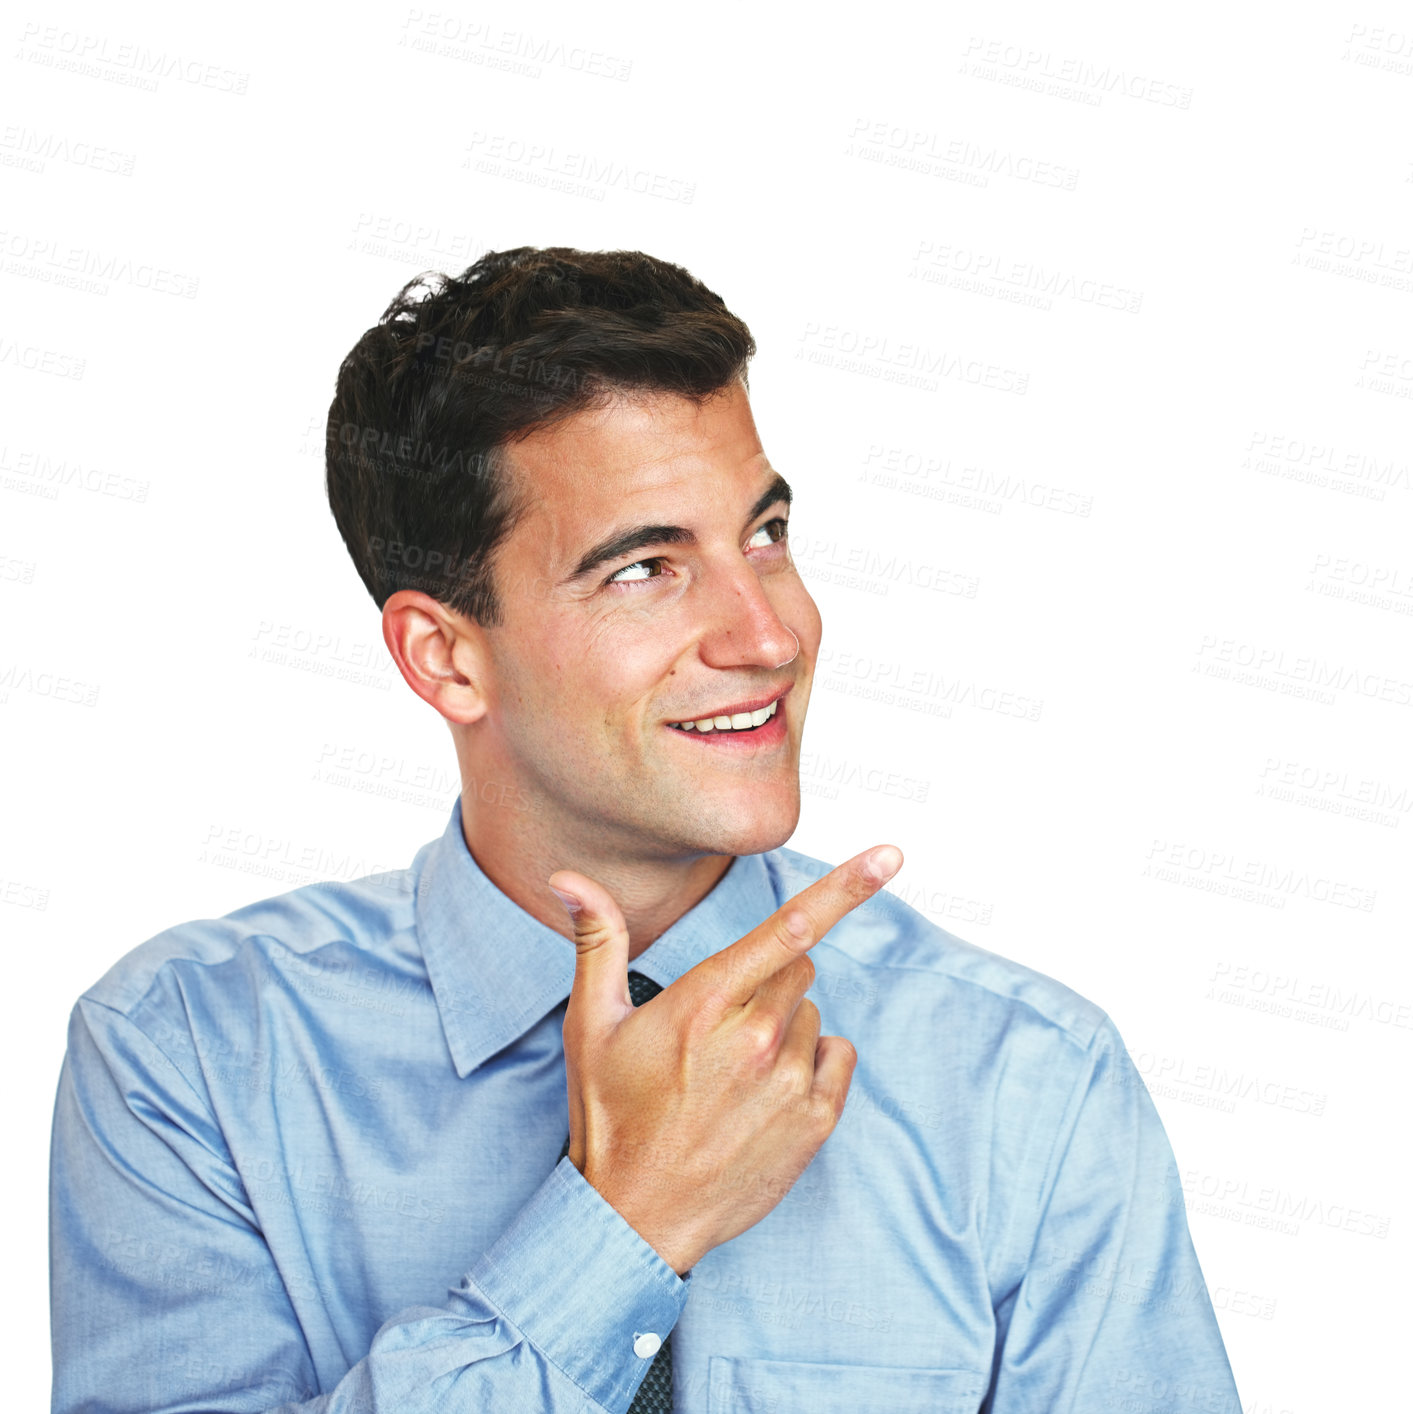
(675,1242)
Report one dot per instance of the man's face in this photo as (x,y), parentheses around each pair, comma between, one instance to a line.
(594,662)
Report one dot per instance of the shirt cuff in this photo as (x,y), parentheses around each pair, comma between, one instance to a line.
(583,1286)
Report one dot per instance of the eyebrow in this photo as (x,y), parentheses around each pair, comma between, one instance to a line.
(640,537)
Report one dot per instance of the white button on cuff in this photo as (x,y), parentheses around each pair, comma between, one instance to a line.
(646,1346)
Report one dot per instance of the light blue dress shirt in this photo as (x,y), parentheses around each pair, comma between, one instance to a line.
(305,1157)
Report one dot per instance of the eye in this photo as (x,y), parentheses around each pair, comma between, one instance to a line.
(636,565)
(779,521)
(778,526)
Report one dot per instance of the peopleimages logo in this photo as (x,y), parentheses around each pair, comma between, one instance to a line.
(1024,66)
(55,262)
(98,56)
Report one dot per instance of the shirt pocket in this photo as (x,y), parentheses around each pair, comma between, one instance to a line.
(737,1385)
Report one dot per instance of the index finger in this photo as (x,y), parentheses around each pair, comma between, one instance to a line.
(798,924)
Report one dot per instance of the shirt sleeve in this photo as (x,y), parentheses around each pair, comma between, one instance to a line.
(1111,1311)
(165,1296)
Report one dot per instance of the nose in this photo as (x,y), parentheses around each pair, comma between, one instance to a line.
(743,629)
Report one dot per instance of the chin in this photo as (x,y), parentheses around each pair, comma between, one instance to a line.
(754,830)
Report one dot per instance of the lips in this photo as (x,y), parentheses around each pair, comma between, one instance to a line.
(736,722)
(747,743)
(742,716)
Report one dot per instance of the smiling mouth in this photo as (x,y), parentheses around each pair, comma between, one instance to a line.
(746,722)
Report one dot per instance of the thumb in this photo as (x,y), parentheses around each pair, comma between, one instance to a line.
(599,998)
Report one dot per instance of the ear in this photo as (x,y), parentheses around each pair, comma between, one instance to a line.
(441,654)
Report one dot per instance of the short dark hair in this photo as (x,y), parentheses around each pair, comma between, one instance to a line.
(460,367)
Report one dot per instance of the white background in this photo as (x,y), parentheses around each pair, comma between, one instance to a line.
(1121,303)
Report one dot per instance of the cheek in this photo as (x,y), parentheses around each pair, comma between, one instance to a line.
(616,669)
(578,659)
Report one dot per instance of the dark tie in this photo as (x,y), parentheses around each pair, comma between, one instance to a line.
(654,1395)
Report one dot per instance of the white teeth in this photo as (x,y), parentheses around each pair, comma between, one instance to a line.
(738,722)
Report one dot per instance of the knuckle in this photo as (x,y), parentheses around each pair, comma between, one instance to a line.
(592,934)
(860,888)
(827,1111)
(759,1034)
(794,1078)
(794,926)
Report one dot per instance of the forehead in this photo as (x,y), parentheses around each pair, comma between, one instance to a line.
(606,463)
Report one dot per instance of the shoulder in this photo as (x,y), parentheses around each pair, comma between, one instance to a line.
(887,938)
(231,955)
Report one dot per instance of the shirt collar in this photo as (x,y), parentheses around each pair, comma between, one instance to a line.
(496,971)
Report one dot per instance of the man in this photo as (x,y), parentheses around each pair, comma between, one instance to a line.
(408,1144)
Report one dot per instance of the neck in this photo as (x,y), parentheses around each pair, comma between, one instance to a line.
(653,893)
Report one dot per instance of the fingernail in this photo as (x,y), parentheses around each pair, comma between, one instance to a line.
(882,863)
(572,902)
